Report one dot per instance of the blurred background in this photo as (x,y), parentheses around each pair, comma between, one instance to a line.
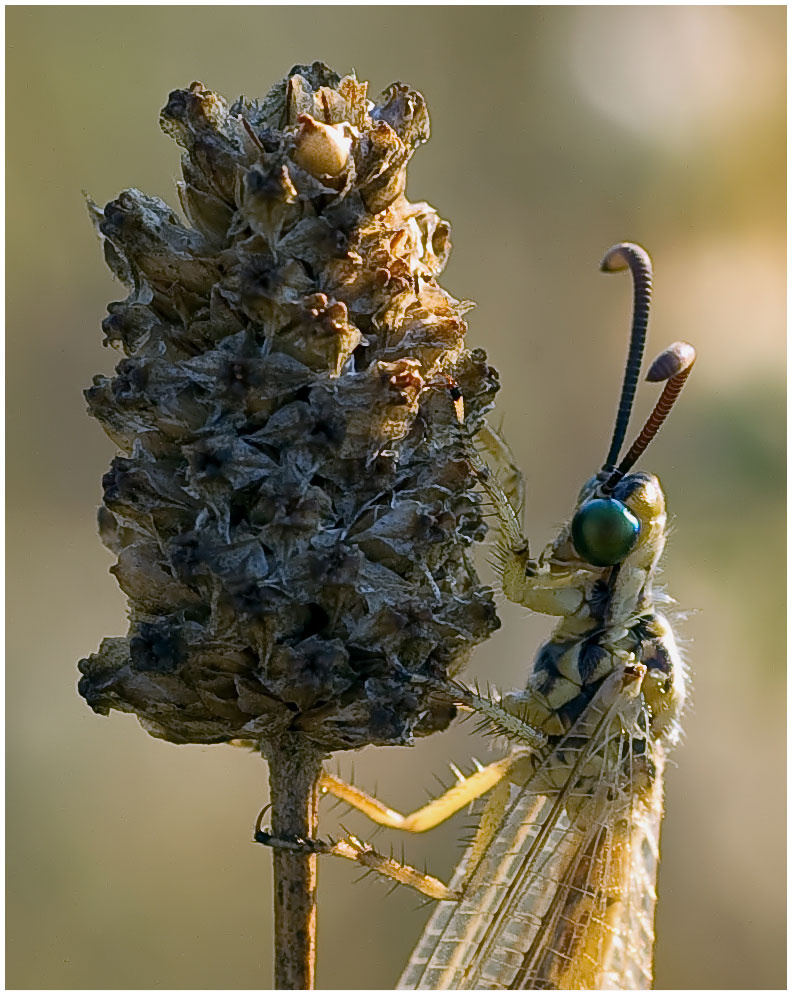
(557,131)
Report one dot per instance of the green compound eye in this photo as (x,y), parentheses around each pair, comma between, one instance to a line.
(604,531)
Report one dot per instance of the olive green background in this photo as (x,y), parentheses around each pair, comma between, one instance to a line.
(556,132)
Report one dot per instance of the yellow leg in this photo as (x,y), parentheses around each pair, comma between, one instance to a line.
(435,812)
(365,855)
(430,815)
(356,850)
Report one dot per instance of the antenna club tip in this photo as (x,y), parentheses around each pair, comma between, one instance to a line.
(625,254)
(677,358)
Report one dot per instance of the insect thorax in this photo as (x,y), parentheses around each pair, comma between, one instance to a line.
(608,620)
(568,672)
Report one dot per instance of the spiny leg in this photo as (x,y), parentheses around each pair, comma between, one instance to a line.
(490,441)
(467,789)
(364,854)
(433,813)
(496,718)
(428,885)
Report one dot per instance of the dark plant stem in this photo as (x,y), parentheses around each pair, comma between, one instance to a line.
(294,766)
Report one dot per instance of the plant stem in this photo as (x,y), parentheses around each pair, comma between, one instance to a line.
(294,766)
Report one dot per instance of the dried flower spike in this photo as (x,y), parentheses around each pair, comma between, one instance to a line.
(291,509)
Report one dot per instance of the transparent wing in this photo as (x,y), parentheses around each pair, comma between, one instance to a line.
(556,900)
(599,933)
(631,956)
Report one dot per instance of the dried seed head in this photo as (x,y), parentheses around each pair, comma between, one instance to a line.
(291,507)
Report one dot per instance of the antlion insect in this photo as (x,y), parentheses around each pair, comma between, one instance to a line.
(557,888)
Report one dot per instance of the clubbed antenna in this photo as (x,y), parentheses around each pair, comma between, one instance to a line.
(619,257)
(673,365)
